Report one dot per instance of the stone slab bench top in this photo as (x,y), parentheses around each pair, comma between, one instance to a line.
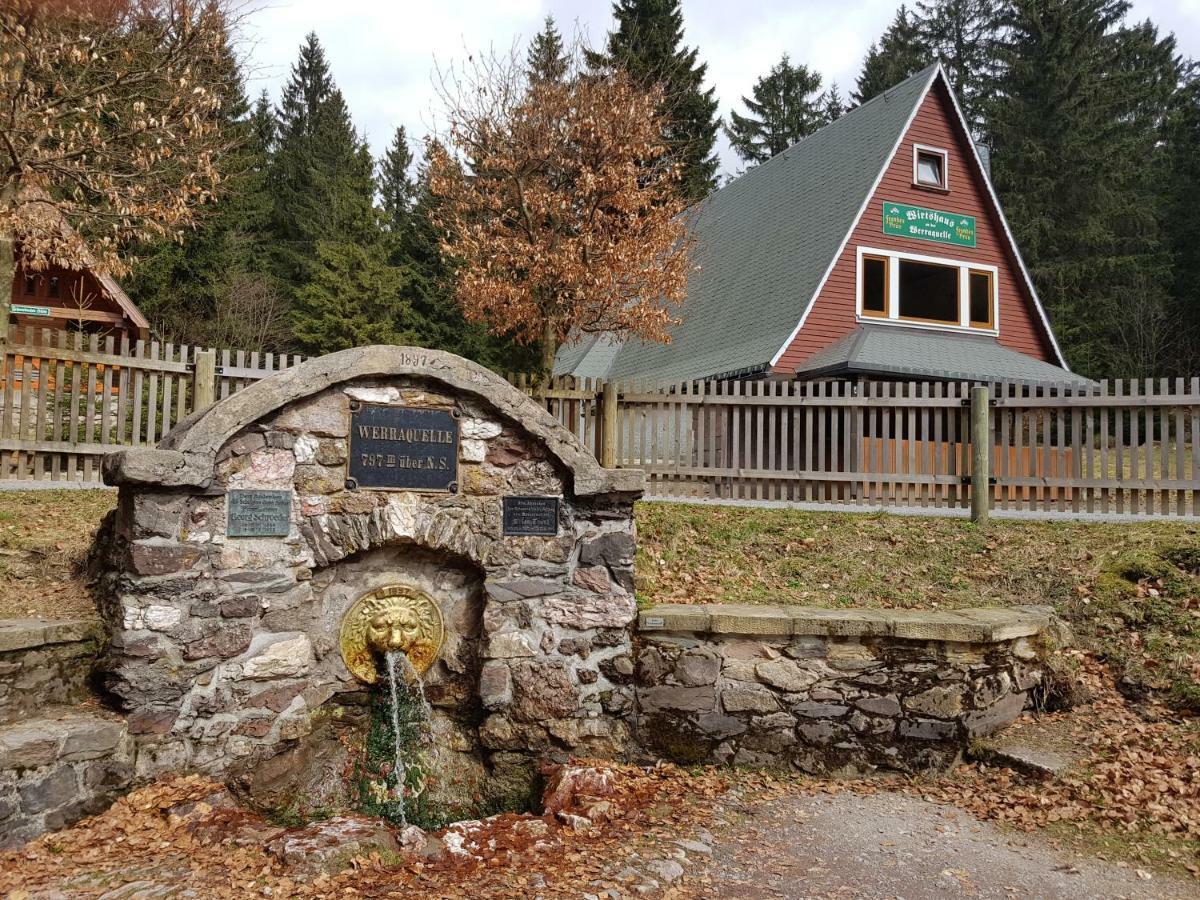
(974,626)
(22,634)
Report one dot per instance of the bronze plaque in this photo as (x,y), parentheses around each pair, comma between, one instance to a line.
(402,448)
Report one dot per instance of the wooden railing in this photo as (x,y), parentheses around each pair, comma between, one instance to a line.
(1113,448)
(69,398)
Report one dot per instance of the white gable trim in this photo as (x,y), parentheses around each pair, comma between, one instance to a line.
(937,71)
(861,210)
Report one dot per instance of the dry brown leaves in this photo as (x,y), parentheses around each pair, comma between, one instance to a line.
(140,840)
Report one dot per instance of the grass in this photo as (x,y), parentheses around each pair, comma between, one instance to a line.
(44,541)
(1131,591)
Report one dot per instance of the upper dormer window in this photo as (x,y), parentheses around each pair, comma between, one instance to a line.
(930,168)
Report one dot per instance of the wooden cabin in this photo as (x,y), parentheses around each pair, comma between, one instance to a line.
(75,300)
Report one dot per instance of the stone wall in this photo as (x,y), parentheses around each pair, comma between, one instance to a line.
(60,758)
(833,691)
(224,650)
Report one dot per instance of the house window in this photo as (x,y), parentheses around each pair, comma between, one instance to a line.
(982,295)
(54,289)
(30,285)
(929,292)
(908,288)
(875,286)
(930,168)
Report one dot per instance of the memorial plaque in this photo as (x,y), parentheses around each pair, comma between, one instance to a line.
(259,513)
(531,516)
(402,448)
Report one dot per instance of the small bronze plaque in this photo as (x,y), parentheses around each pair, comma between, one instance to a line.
(402,448)
(531,516)
(258,513)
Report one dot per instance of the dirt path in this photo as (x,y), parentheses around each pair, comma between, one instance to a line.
(887,846)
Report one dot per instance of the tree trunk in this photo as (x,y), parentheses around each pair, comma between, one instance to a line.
(549,349)
(8,271)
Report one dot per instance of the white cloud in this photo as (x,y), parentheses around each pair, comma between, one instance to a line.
(382,52)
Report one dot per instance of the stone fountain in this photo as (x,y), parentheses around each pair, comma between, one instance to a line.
(269,558)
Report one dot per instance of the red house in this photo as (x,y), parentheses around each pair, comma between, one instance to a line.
(874,247)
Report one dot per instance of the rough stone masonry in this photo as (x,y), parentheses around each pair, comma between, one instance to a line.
(224,650)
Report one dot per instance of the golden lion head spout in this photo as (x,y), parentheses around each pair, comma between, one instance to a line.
(396,618)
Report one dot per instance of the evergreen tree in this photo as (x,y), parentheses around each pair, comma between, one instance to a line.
(262,123)
(831,104)
(321,174)
(962,34)
(898,54)
(784,110)
(355,297)
(1075,130)
(1181,184)
(546,59)
(648,43)
(397,190)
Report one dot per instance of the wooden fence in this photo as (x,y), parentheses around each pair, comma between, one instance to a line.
(69,398)
(1115,448)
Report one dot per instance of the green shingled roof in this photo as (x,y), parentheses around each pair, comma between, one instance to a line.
(920,353)
(762,245)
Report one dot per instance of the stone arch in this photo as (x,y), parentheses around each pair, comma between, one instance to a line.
(185,456)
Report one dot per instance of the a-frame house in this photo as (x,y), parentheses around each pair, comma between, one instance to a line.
(874,247)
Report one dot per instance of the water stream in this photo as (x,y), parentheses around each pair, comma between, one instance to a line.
(405,680)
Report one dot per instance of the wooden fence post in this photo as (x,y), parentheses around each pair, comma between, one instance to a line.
(981,439)
(608,426)
(204,380)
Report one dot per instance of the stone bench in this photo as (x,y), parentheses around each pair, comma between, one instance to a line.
(834,690)
(45,663)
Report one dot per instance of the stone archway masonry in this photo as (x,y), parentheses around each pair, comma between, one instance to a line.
(224,650)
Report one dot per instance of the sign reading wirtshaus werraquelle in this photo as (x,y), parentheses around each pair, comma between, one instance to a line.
(928,224)
(402,448)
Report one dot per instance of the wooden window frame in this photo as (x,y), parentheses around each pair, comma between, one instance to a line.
(886,312)
(918,150)
(990,324)
(892,286)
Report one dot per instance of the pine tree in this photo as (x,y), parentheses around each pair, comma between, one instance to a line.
(648,44)
(355,297)
(1075,130)
(1181,184)
(397,190)
(546,58)
(784,110)
(962,34)
(831,104)
(898,54)
(321,174)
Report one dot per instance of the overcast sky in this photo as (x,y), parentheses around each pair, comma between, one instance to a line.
(382,52)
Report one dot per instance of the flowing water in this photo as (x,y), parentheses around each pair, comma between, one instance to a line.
(409,682)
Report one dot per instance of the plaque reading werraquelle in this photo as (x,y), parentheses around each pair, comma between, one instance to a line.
(258,513)
(402,448)
(531,516)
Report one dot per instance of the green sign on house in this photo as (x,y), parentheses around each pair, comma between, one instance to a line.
(20,309)
(928,224)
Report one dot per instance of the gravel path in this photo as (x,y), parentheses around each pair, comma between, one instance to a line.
(887,846)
